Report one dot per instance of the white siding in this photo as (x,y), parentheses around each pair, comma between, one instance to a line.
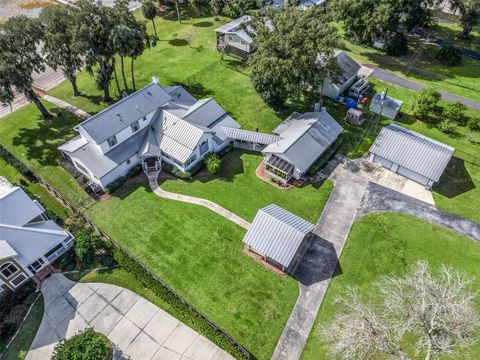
(121,170)
(236,42)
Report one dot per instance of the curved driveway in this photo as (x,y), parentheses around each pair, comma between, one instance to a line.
(139,329)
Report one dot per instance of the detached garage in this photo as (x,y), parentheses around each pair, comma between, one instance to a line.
(279,237)
(410,154)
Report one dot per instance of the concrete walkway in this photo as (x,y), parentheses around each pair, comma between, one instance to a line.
(153,180)
(69,107)
(318,265)
(393,78)
(137,328)
(380,198)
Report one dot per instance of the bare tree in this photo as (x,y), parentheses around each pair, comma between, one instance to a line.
(436,309)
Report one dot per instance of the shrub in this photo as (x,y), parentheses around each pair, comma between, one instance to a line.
(397,44)
(213,163)
(474,124)
(86,243)
(448,127)
(134,171)
(171,169)
(455,112)
(116,184)
(86,345)
(449,56)
(425,103)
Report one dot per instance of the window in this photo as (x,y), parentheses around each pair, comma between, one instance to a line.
(135,126)
(204,147)
(112,141)
(243,42)
(54,250)
(128,162)
(8,269)
(230,37)
(35,266)
(81,168)
(191,160)
(144,118)
(19,279)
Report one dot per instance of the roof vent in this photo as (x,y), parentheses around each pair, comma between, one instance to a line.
(119,116)
(155,80)
(149,93)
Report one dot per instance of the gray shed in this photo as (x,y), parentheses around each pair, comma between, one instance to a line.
(280,237)
(410,154)
(391,106)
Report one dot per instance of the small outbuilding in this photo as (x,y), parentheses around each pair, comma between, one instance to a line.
(279,237)
(340,83)
(390,108)
(355,117)
(233,37)
(417,157)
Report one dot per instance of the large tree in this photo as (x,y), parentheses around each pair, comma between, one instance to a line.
(59,45)
(289,42)
(123,40)
(149,10)
(94,25)
(20,39)
(435,310)
(469,14)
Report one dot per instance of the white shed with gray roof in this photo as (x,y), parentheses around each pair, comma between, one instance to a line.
(280,237)
(411,154)
(339,83)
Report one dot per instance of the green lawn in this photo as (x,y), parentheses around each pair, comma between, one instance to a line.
(19,347)
(388,243)
(199,254)
(232,189)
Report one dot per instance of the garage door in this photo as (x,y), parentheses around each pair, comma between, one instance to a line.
(412,175)
(382,161)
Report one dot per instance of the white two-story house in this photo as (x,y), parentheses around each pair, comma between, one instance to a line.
(153,125)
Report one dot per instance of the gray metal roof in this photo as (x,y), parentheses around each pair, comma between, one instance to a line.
(348,66)
(250,136)
(150,144)
(277,234)
(205,112)
(125,112)
(306,138)
(413,151)
(101,164)
(235,27)
(16,207)
(391,106)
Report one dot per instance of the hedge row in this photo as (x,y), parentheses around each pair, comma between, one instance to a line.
(182,311)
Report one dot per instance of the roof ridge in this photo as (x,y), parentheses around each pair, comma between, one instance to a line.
(419,137)
(32,229)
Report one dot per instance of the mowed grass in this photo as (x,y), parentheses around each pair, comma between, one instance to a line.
(35,142)
(21,344)
(232,189)
(174,61)
(389,243)
(199,254)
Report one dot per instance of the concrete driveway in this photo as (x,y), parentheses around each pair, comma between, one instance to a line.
(139,329)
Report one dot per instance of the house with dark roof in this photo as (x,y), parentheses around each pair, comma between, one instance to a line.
(339,83)
(233,37)
(29,240)
(279,237)
(410,154)
(155,125)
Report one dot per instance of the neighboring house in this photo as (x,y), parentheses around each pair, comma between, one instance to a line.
(410,154)
(304,4)
(280,237)
(340,83)
(302,140)
(234,38)
(29,241)
(153,125)
(386,105)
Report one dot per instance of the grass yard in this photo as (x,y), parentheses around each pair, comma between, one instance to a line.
(238,189)
(34,140)
(19,347)
(199,254)
(460,80)
(388,243)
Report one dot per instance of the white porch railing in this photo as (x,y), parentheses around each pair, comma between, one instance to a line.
(155,167)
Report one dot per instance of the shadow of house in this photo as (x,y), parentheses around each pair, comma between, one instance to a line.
(319,263)
(455,180)
(41,142)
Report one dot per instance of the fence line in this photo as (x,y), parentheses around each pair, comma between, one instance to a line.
(77,212)
(192,79)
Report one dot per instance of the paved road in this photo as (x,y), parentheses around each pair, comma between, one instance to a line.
(318,265)
(392,78)
(153,180)
(138,328)
(380,198)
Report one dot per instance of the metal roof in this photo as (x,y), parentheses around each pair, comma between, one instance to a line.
(125,112)
(277,234)
(150,144)
(16,206)
(348,66)
(235,27)
(305,139)
(413,151)
(250,136)
(391,106)
(204,112)
(6,250)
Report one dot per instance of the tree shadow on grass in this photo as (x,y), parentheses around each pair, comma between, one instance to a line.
(41,142)
(178,42)
(203,24)
(455,180)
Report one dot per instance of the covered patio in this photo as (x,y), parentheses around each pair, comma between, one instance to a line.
(279,168)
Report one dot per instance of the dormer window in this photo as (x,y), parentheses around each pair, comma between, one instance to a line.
(135,126)
(112,141)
